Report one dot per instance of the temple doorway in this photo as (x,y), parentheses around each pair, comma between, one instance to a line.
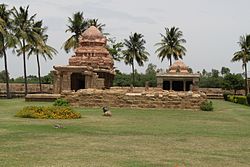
(166,85)
(178,86)
(77,81)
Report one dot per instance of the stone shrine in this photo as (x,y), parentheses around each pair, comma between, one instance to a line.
(91,67)
(177,78)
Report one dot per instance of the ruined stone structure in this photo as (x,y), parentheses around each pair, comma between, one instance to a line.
(17,89)
(144,99)
(91,67)
(177,78)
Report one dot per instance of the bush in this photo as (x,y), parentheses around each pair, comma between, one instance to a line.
(225,95)
(248,99)
(241,99)
(61,102)
(51,112)
(230,98)
(207,106)
(237,99)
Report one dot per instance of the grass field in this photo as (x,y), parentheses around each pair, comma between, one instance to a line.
(131,138)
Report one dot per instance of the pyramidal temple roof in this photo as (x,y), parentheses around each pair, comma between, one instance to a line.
(92,33)
(178,66)
(92,51)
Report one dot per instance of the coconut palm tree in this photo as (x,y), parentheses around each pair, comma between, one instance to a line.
(38,48)
(115,49)
(243,55)
(7,40)
(23,30)
(77,25)
(94,22)
(135,51)
(171,45)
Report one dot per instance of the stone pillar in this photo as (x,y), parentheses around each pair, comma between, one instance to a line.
(56,82)
(171,84)
(160,83)
(146,86)
(191,87)
(60,82)
(184,85)
(88,81)
(57,85)
(66,81)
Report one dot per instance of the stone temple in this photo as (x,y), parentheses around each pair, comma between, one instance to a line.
(91,67)
(177,78)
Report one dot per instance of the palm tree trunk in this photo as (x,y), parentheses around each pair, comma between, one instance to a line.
(133,71)
(246,84)
(39,72)
(6,75)
(170,61)
(24,68)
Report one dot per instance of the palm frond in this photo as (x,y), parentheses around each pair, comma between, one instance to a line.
(171,44)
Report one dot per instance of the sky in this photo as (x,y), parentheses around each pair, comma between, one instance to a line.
(211,28)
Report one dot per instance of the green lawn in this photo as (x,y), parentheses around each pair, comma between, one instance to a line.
(132,137)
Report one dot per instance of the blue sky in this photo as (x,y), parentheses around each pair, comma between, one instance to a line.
(211,27)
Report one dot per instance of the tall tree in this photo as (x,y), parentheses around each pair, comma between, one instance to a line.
(204,72)
(38,48)
(233,82)
(115,49)
(224,71)
(7,40)
(150,75)
(94,22)
(215,73)
(244,56)
(23,28)
(77,25)
(135,51)
(171,45)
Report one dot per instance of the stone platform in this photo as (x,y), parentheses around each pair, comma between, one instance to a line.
(129,99)
(42,97)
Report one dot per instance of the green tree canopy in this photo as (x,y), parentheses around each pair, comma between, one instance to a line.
(233,82)
(224,71)
(135,51)
(77,25)
(24,31)
(115,49)
(171,45)
(7,40)
(244,56)
(41,49)
(94,22)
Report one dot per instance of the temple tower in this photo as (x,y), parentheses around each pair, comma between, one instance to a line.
(91,67)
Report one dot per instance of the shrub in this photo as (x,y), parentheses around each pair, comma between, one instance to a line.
(237,99)
(248,99)
(207,106)
(61,102)
(51,112)
(230,98)
(225,95)
(241,99)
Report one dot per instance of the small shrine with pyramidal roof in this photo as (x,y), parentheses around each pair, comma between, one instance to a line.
(91,67)
(177,78)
